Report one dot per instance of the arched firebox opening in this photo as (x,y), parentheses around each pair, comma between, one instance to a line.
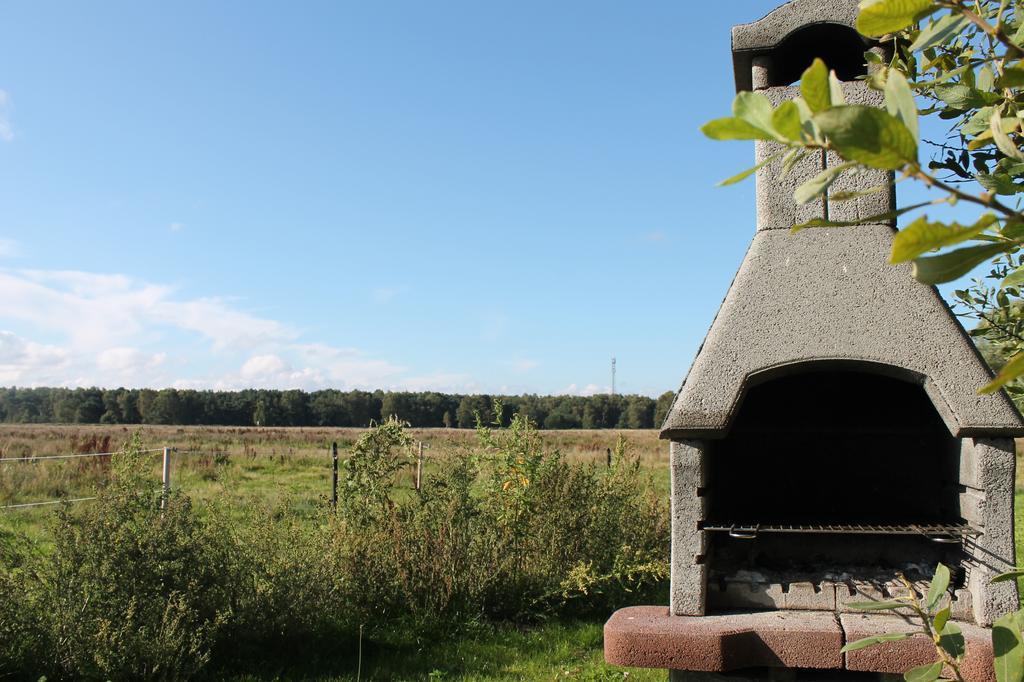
(833,474)
(835,447)
(840,47)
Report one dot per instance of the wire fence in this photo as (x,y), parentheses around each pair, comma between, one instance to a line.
(4,460)
(166,472)
(30,505)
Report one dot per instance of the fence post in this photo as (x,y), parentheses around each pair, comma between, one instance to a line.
(419,467)
(609,458)
(334,477)
(166,478)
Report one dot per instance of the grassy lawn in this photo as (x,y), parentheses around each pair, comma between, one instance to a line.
(554,651)
(249,466)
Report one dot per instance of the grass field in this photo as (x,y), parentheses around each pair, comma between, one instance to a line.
(247,465)
(270,467)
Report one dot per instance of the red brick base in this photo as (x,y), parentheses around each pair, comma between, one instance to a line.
(648,637)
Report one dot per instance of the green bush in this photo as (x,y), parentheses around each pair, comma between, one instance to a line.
(134,588)
(21,632)
(510,532)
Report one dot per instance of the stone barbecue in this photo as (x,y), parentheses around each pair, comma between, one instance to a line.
(829,434)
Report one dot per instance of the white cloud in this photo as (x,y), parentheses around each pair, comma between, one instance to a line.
(128,360)
(9,248)
(524,365)
(114,330)
(6,130)
(24,362)
(98,311)
(655,236)
(176,227)
(589,389)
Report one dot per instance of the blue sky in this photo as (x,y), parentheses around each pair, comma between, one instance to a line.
(458,196)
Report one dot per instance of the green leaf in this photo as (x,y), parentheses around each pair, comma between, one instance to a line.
(952,640)
(939,32)
(750,171)
(940,581)
(732,128)
(978,122)
(922,236)
(820,183)
(1008,649)
(1000,183)
(835,89)
(888,16)
(1014,279)
(963,97)
(793,158)
(986,79)
(755,109)
(1013,229)
(856,194)
(786,121)
(877,605)
(876,639)
(1010,371)
(924,673)
(1002,140)
(1013,77)
(1009,575)
(899,101)
(941,618)
(949,266)
(815,88)
(869,136)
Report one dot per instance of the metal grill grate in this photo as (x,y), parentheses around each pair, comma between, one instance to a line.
(941,532)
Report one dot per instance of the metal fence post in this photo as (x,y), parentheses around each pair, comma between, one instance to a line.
(166,478)
(334,479)
(419,467)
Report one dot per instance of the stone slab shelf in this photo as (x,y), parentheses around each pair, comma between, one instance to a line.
(648,637)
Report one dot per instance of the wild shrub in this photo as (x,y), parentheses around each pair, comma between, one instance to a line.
(508,532)
(135,588)
(21,632)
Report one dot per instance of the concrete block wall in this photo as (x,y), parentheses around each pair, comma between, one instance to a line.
(689,543)
(776,209)
(987,475)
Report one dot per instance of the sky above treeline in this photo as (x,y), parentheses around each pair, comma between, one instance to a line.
(458,196)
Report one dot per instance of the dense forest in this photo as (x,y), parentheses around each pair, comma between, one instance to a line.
(319,408)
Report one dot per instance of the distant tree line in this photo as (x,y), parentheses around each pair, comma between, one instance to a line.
(320,408)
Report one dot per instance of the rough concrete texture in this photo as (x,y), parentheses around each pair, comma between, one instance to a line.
(730,596)
(648,637)
(770,30)
(776,209)
(774,191)
(961,606)
(827,295)
(748,40)
(992,463)
(871,205)
(798,596)
(901,656)
(689,570)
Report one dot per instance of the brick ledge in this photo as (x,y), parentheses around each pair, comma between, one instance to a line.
(648,637)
